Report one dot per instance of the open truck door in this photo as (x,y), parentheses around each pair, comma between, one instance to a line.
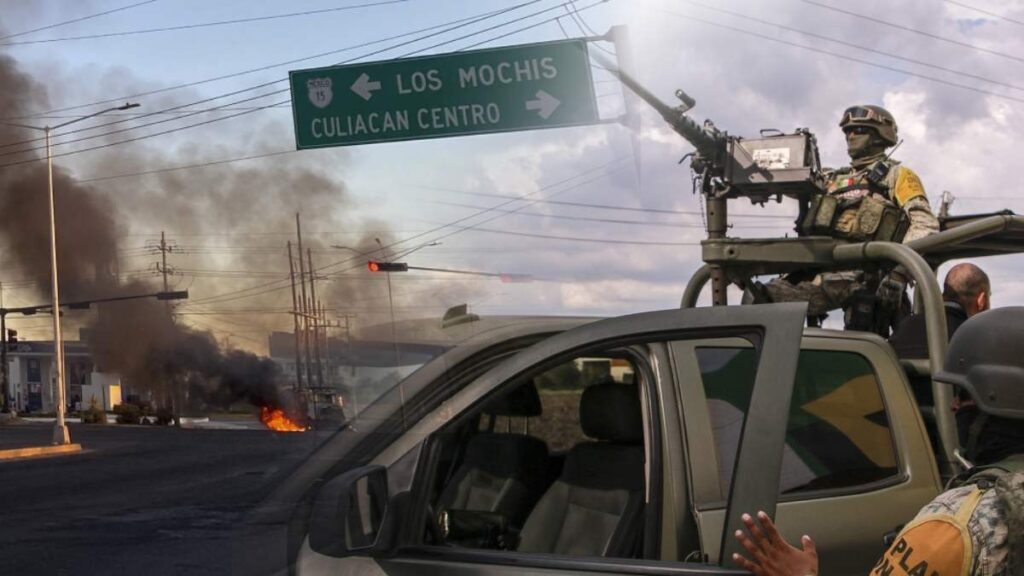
(615,500)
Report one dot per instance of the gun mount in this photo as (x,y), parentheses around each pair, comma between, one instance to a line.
(729,167)
(775,165)
(778,165)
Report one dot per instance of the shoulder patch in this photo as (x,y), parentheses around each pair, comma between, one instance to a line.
(935,546)
(908,186)
(935,543)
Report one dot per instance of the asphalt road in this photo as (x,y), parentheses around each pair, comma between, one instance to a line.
(138,499)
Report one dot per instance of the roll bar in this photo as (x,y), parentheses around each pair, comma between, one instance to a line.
(929,296)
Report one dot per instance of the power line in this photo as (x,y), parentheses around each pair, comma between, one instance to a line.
(913,30)
(466,20)
(576,238)
(148,124)
(844,57)
(81,19)
(237,114)
(270,286)
(574,13)
(206,322)
(248,111)
(137,115)
(562,28)
(529,27)
(204,24)
(588,219)
(591,205)
(453,25)
(188,166)
(985,12)
(579,16)
(854,45)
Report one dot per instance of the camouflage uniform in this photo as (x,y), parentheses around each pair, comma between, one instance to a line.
(989,525)
(976,527)
(901,188)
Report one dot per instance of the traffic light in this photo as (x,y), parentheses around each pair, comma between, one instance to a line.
(177,295)
(12,337)
(377,266)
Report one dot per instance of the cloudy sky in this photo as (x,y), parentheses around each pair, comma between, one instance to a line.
(608,224)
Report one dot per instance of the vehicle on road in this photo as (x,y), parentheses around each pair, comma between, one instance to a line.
(633,444)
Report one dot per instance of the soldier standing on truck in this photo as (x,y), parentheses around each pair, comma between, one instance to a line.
(975,527)
(872,185)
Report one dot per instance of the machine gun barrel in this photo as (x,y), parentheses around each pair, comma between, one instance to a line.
(708,143)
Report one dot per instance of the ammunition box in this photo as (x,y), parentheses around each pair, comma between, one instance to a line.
(762,167)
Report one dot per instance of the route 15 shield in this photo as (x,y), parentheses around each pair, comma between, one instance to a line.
(320,91)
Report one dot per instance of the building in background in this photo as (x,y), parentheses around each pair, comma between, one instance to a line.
(31,374)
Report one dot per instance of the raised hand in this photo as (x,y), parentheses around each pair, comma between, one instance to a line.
(771,554)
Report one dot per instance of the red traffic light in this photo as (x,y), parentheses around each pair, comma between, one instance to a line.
(377,266)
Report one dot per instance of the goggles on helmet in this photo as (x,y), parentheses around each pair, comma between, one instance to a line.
(861,113)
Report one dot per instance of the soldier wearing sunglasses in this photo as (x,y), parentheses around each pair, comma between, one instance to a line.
(872,188)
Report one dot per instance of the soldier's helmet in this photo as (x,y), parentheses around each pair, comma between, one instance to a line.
(873,117)
(984,359)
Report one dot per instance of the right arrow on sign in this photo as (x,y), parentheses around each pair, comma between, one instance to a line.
(363,87)
(545,104)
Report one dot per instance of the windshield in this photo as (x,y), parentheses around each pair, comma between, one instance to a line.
(229,230)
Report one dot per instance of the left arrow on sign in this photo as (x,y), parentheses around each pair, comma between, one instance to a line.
(363,87)
(545,104)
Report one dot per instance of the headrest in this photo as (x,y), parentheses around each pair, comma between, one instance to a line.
(522,402)
(612,412)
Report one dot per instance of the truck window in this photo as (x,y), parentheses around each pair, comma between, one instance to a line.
(564,448)
(838,434)
(560,389)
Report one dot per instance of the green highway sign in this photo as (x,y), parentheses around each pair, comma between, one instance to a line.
(544,85)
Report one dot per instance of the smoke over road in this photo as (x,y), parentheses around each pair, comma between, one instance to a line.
(138,339)
(98,229)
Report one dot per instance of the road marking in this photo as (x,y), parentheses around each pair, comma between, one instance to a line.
(34,451)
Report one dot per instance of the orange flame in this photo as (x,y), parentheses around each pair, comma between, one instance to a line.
(276,420)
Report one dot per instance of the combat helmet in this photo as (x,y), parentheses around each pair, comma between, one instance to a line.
(873,117)
(984,359)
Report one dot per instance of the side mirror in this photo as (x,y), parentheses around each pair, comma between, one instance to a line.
(348,512)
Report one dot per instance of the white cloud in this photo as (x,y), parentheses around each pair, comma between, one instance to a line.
(909,108)
(617,296)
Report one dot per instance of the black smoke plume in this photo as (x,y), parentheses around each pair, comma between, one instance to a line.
(201,209)
(138,338)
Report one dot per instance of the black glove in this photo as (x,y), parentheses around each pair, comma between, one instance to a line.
(890,290)
(756,293)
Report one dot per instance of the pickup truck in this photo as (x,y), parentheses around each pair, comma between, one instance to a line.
(625,445)
(632,445)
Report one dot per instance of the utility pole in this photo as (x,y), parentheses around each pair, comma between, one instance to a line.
(171,395)
(348,358)
(315,318)
(164,248)
(326,343)
(3,353)
(60,429)
(305,304)
(295,316)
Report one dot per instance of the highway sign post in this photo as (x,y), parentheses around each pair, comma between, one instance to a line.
(545,85)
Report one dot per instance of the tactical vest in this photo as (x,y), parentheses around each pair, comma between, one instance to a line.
(858,206)
(940,543)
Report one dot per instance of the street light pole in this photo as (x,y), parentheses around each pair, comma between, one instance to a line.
(60,429)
